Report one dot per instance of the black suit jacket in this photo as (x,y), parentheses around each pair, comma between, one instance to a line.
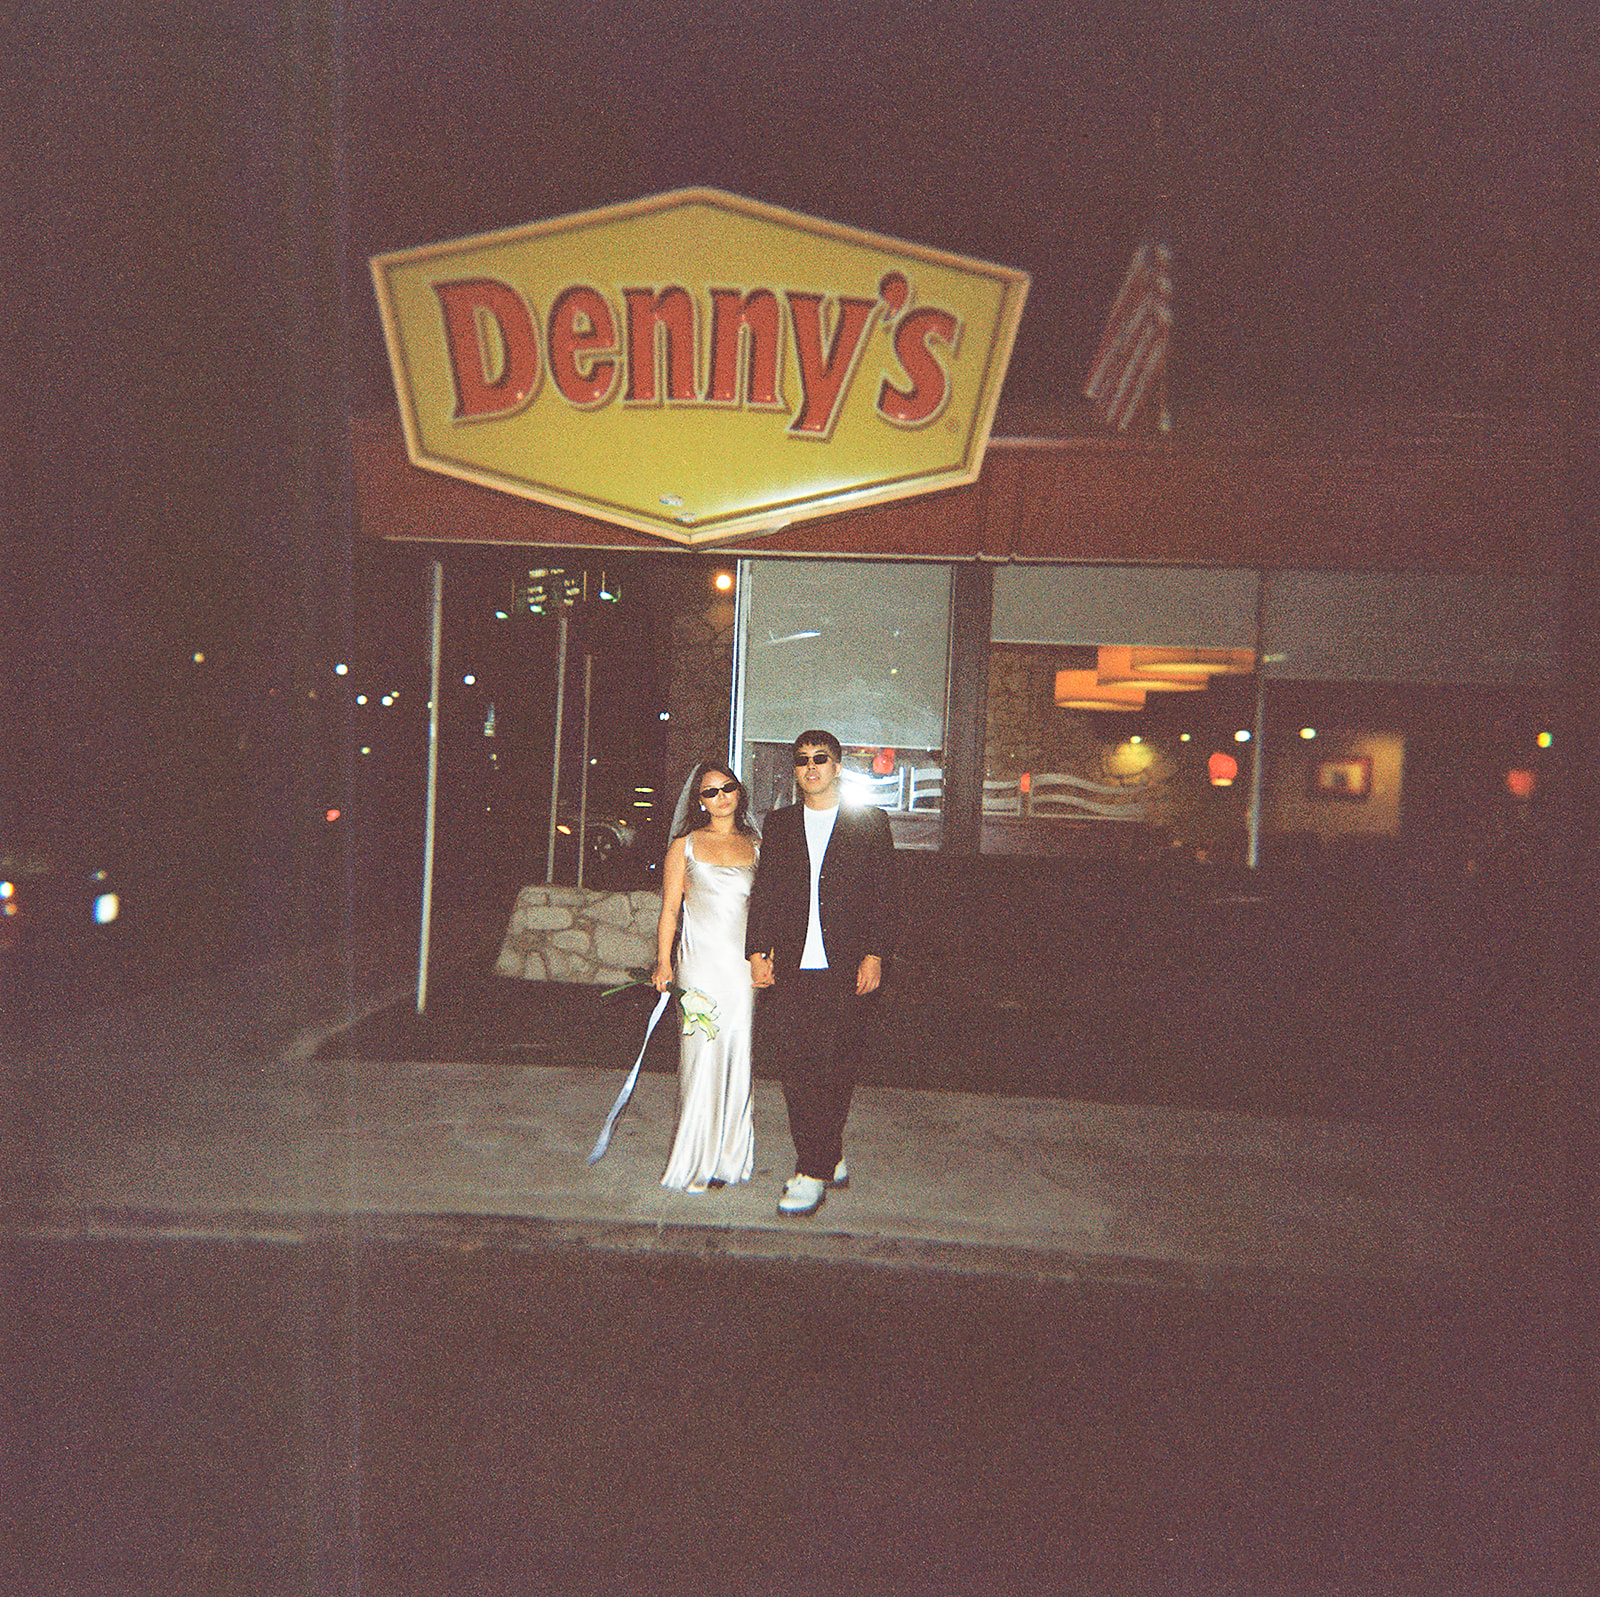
(858,893)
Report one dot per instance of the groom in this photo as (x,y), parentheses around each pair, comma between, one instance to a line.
(824,916)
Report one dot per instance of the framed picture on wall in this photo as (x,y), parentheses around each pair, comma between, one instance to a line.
(1349,778)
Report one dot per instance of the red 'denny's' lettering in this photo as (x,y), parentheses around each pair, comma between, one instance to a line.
(671,312)
(825,372)
(744,325)
(583,332)
(930,383)
(470,306)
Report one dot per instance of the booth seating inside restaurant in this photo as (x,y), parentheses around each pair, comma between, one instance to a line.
(1039,795)
(924,787)
(1031,813)
(1060,796)
(1002,796)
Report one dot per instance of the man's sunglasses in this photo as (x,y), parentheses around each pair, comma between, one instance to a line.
(711,792)
(801,760)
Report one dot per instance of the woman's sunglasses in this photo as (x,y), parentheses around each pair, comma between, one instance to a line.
(812,759)
(711,792)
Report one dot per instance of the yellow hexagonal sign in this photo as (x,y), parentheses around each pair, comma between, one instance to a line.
(697,365)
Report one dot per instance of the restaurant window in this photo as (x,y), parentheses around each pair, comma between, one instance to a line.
(1394,712)
(1111,689)
(857,648)
(531,710)
(1408,719)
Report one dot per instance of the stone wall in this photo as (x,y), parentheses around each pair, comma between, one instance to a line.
(1026,730)
(577,934)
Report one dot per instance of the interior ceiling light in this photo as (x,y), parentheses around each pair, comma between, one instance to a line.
(1083,690)
(1192,662)
(1116,665)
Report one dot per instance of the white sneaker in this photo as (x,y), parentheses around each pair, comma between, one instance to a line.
(841,1178)
(801,1195)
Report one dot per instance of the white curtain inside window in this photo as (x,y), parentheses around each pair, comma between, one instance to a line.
(1318,626)
(1186,607)
(1425,627)
(859,648)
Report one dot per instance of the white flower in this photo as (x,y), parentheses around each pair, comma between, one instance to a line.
(699,1012)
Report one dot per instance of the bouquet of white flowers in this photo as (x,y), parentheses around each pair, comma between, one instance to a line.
(699,1012)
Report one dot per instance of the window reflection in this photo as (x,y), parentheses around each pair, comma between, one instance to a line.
(860,649)
(907,784)
(1071,772)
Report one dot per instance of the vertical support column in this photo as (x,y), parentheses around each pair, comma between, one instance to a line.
(430,816)
(583,778)
(1258,755)
(967,706)
(555,753)
(741,626)
(1572,898)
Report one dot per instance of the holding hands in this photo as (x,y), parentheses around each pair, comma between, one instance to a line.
(869,974)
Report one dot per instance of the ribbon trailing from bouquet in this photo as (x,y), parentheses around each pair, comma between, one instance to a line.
(627,1086)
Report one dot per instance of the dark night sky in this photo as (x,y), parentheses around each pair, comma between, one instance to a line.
(1364,197)
(1366,207)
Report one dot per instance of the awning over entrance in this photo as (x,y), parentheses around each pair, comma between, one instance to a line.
(1237,490)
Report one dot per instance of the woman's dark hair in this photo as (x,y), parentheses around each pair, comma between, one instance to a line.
(697,819)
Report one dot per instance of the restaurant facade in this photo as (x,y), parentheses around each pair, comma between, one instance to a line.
(1384,581)
(1236,636)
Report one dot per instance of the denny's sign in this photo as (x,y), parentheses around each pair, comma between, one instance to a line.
(697,365)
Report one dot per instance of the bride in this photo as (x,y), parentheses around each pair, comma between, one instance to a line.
(709,867)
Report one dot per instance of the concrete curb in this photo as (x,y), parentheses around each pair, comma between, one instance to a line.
(474,1233)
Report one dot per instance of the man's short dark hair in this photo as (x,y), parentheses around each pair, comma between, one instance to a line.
(820,740)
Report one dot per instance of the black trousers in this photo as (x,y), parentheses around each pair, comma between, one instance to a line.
(813,1025)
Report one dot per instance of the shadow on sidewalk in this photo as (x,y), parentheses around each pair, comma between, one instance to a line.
(1209,1040)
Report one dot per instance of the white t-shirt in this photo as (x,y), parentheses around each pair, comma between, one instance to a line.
(819,828)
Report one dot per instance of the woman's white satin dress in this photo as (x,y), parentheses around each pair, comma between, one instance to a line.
(715,1140)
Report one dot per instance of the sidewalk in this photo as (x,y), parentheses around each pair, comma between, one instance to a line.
(205,1112)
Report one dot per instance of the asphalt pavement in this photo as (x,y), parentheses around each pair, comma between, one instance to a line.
(294,1308)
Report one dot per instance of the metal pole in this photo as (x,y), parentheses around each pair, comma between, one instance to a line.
(741,627)
(1259,756)
(436,631)
(555,757)
(583,780)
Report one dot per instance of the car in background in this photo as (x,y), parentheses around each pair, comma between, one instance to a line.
(64,929)
(50,904)
(620,851)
